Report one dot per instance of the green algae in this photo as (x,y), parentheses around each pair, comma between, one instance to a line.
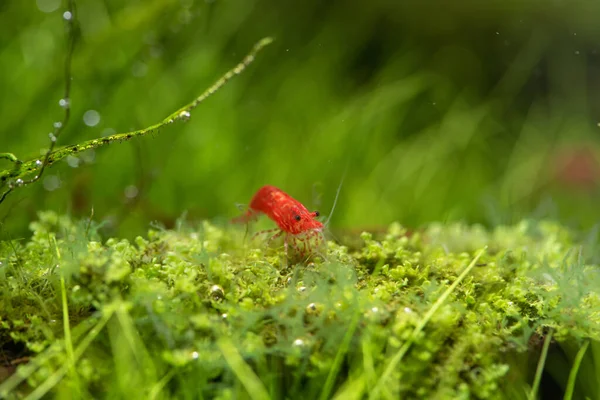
(202,312)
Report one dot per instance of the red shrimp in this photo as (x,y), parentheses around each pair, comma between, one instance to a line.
(295,221)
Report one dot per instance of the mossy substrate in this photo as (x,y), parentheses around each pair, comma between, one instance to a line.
(200,311)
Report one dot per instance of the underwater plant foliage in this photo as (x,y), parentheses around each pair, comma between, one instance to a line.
(201,311)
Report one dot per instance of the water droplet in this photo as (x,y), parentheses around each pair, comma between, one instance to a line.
(131,191)
(497,33)
(224,315)
(67,15)
(407,310)
(159,297)
(19,182)
(51,182)
(302,289)
(217,292)
(38,163)
(64,103)
(576,52)
(72,161)
(91,118)
(185,115)
(510,303)
(47,6)
(139,69)
(195,355)
(52,137)
(170,121)
(58,124)
(311,307)
(87,156)
(108,132)
(375,310)
(298,342)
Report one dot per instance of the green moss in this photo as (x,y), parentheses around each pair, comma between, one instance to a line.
(160,305)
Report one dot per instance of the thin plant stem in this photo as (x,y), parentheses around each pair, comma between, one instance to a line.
(574,370)
(540,367)
(15,177)
(255,388)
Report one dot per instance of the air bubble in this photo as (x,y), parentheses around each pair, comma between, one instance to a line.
(298,342)
(195,355)
(51,183)
(52,137)
(407,310)
(139,69)
(217,292)
(67,15)
(131,191)
(48,6)
(91,118)
(64,103)
(108,132)
(224,315)
(58,124)
(73,161)
(374,310)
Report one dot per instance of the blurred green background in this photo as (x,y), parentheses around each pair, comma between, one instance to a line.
(478,111)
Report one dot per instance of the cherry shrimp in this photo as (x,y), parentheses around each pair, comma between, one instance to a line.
(293,219)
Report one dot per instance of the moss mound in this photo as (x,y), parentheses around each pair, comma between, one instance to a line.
(451,311)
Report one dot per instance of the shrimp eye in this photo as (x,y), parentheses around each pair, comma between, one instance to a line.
(297,217)
(317,213)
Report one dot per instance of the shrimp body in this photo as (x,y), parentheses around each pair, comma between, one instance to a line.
(291,216)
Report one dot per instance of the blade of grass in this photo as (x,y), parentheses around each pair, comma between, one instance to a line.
(419,328)
(353,389)
(66,323)
(131,338)
(156,389)
(368,364)
(242,371)
(540,367)
(337,362)
(53,380)
(573,374)
(25,371)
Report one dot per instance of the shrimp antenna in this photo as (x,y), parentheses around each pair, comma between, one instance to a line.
(337,194)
